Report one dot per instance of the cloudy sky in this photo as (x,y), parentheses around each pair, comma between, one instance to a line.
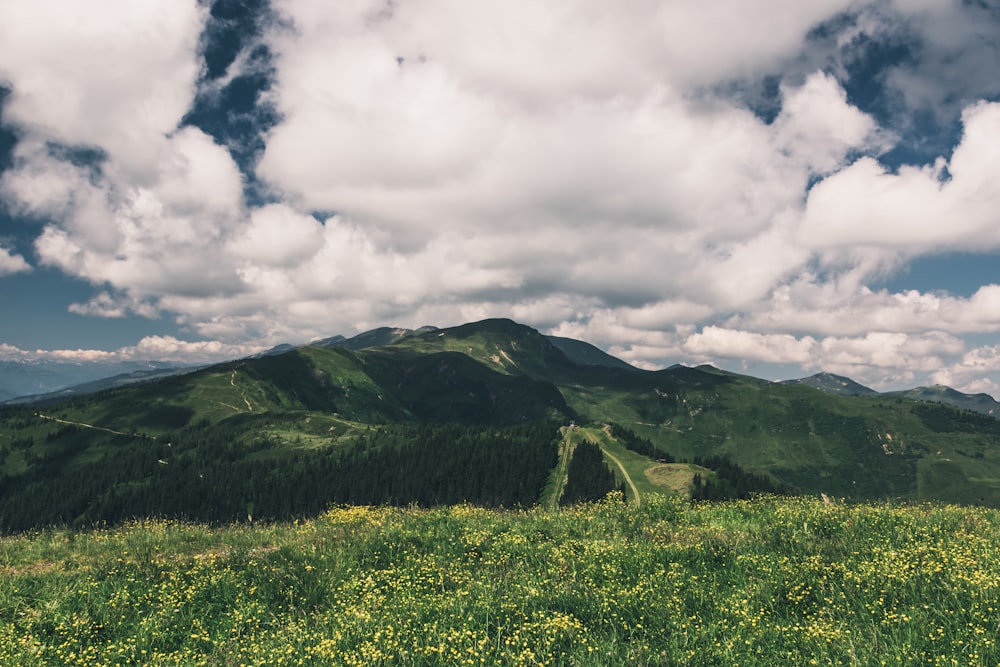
(775,187)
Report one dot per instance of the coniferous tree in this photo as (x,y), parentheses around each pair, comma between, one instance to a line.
(589,477)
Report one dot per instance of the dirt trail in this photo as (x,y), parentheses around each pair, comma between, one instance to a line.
(564,456)
(96,428)
(243,395)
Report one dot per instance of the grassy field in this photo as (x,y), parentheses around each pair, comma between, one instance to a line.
(763,582)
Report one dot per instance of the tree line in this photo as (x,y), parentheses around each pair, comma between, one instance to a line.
(220,473)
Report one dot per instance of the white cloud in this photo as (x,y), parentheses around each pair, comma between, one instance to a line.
(112,74)
(277,235)
(917,210)
(568,48)
(113,306)
(13,353)
(715,342)
(150,348)
(819,127)
(168,348)
(146,240)
(12,263)
(807,305)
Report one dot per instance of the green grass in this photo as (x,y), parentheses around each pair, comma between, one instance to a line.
(763,582)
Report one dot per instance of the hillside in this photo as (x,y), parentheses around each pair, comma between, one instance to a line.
(286,434)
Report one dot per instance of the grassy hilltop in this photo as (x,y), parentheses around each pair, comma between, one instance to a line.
(764,582)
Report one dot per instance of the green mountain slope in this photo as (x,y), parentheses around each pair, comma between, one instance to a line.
(585,354)
(271,427)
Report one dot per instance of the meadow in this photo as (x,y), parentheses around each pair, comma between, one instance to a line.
(768,581)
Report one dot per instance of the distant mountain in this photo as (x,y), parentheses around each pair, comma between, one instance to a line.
(983,403)
(833,384)
(115,381)
(843,386)
(22,378)
(274,351)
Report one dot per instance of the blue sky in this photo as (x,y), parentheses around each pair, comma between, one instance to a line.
(776,187)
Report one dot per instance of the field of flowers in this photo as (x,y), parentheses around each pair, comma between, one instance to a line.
(764,582)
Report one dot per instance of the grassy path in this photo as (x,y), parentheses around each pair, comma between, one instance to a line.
(562,470)
(628,478)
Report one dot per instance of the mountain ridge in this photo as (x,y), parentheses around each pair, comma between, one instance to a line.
(577,351)
(291,420)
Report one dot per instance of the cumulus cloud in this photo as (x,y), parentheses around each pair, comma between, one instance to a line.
(12,263)
(818,126)
(169,348)
(594,171)
(111,74)
(146,240)
(951,63)
(807,305)
(158,348)
(950,205)
(714,342)
(13,353)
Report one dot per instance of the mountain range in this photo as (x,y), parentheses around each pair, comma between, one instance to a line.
(353,420)
(46,381)
(40,377)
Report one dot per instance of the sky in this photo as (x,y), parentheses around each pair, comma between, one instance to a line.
(777,188)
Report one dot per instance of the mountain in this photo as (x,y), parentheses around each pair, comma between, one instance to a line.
(121,380)
(374,338)
(274,351)
(435,414)
(983,403)
(833,384)
(586,354)
(837,384)
(22,378)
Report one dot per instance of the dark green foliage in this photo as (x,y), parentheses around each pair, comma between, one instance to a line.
(730,482)
(942,418)
(446,464)
(203,473)
(589,477)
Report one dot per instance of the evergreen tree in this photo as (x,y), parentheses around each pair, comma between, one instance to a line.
(589,478)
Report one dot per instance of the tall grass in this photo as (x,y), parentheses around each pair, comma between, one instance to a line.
(763,582)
